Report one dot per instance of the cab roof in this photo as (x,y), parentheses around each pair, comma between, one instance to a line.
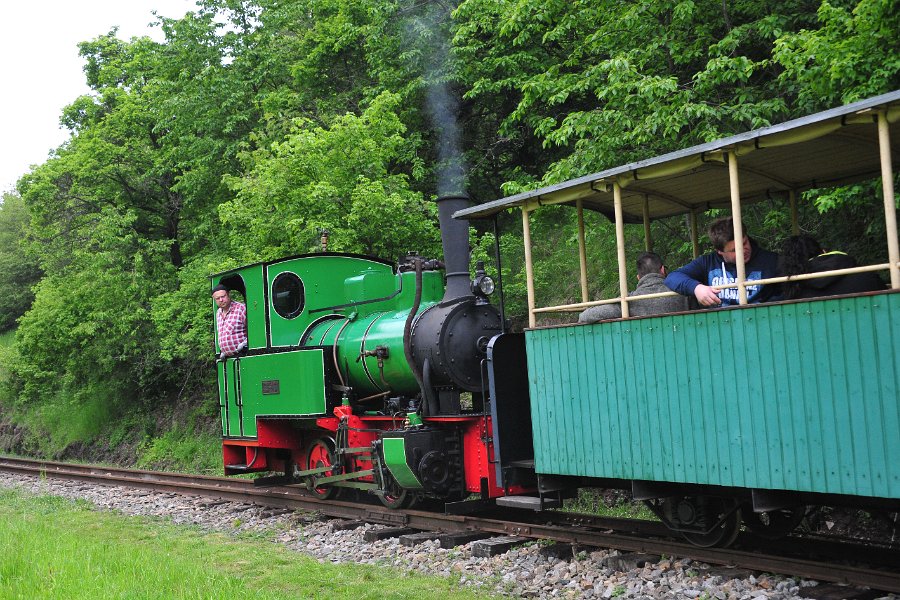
(833,147)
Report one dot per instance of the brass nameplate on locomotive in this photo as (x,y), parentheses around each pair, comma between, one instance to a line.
(271,386)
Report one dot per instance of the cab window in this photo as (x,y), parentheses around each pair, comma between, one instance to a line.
(288,296)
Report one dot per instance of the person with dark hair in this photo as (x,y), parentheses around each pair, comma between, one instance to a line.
(650,274)
(231,322)
(804,254)
(719,268)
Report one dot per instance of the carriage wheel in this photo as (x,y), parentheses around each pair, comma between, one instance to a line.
(320,453)
(774,524)
(704,521)
(727,518)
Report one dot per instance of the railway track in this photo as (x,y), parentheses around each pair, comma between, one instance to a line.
(579,530)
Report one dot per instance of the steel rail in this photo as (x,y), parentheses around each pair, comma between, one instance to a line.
(586,530)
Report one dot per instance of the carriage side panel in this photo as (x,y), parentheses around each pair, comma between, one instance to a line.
(793,396)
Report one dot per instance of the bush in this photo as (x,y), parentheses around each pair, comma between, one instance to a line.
(182,449)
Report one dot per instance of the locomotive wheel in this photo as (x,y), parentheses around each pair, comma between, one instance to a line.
(320,453)
(404,499)
(728,520)
(774,524)
(397,497)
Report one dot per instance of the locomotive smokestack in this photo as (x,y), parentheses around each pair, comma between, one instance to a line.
(442,105)
(455,240)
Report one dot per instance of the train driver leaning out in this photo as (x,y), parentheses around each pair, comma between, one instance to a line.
(718,268)
(650,274)
(231,322)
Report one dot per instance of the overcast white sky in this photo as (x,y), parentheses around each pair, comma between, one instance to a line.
(41,71)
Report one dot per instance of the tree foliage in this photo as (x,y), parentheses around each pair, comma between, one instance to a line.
(19,272)
(349,179)
(607,82)
(850,56)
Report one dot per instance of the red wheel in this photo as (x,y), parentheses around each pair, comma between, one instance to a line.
(400,499)
(396,497)
(320,453)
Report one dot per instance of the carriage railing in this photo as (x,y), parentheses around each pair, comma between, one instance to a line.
(729,156)
(771,280)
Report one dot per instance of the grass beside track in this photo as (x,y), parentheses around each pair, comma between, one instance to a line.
(51,547)
(608,503)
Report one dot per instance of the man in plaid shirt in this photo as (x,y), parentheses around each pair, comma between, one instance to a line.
(231,321)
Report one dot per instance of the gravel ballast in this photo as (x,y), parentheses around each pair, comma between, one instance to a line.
(528,571)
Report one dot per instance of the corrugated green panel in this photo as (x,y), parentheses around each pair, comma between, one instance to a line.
(793,396)
(886,358)
(287,383)
(539,410)
(716,417)
(657,408)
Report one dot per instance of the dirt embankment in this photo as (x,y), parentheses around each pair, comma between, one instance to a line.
(12,438)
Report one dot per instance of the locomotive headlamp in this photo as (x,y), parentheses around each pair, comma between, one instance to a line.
(486,285)
(482,286)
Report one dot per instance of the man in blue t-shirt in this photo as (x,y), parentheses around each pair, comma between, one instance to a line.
(718,268)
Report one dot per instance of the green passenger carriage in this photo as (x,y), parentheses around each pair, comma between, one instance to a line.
(713,413)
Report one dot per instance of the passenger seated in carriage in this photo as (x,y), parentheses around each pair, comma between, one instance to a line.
(650,274)
(804,254)
(719,268)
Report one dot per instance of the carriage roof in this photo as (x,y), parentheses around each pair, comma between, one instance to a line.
(829,148)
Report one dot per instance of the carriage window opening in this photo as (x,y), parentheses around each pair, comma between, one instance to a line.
(288,297)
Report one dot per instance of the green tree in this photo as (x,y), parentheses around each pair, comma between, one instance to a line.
(609,82)
(852,55)
(349,178)
(19,271)
(107,224)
